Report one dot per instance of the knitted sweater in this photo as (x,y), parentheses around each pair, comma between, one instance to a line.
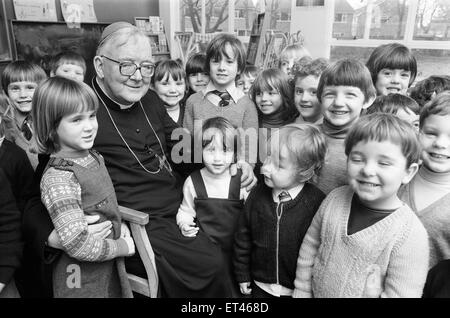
(242,114)
(266,248)
(436,219)
(14,135)
(61,194)
(334,264)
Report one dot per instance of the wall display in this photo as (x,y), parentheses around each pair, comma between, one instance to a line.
(39,41)
(35,10)
(78,11)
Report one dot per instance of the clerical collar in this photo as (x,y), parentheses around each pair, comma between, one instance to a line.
(109,101)
(434,177)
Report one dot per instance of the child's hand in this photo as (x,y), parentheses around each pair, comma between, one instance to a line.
(189,229)
(1,287)
(373,286)
(248,179)
(245,288)
(54,241)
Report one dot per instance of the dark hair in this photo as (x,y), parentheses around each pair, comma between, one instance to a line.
(67,57)
(439,105)
(423,91)
(19,71)
(251,70)
(274,78)
(307,66)
(392,56)
(196,64)
(217,47)
(347,72)
(223,126)
(385,127)
(391,104)
(172,67)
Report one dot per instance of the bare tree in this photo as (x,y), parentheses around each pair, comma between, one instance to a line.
(193,10)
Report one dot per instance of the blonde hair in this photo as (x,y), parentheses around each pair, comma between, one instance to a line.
(54,99)
(295,51)
(307,148)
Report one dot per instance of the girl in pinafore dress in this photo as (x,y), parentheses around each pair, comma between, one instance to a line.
(75,184)
(212,198)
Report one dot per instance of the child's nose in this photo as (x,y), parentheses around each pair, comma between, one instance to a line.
(368,169)
(441,142)
(395,78)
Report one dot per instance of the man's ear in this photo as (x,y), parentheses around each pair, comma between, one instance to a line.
(411,172)
(98,66)
(369,102)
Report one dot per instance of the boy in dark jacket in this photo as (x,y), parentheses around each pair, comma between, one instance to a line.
(277,214)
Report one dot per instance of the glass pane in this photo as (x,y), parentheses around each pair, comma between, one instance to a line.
(388,19)
(217,16)
(246,12)
(349,19)
(433,20)
(429,62)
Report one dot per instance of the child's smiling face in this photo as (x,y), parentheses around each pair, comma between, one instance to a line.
(392,81)
(434,137)
(376,170)
(223,71)
(305,98)
(343,104)
(20,94)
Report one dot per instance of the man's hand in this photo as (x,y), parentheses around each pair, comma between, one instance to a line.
(248,179)
(100,231)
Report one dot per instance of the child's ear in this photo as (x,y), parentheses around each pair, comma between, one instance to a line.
(369,102)
(52,73)
(411,172)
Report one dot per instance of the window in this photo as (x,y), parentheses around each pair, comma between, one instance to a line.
(421,25)
(340,18)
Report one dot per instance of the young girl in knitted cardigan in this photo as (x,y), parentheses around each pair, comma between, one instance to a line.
(364,241)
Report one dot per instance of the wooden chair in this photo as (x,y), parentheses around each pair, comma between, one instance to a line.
(137,221)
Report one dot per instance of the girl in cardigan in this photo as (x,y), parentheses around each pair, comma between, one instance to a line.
(428,194)
(212,198)
(19,81)
(363,233)
(278,212)
(169,82)
(75,184)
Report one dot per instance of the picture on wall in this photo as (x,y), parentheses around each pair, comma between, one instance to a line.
(39,41)
(310,3)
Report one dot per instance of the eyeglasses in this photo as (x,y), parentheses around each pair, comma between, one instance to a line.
(128,68)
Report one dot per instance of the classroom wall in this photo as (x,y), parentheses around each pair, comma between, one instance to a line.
(105,10)
(108,10)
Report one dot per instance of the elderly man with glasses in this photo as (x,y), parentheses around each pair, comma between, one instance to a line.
(134,137)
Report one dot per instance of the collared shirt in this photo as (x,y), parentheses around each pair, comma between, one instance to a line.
(277,289)
(234,92)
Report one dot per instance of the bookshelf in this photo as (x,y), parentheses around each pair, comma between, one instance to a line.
(153,27)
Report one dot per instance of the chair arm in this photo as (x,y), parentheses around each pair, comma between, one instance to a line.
(133,216)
